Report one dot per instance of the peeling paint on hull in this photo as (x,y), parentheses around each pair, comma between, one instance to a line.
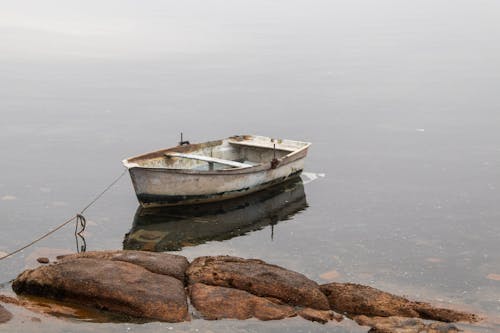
(152,200)
(166,181)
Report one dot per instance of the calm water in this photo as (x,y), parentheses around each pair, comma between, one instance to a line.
(399,98)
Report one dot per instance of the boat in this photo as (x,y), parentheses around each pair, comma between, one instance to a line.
(215,170)
(160,229)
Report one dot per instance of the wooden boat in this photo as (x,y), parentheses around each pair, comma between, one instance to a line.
(214,170)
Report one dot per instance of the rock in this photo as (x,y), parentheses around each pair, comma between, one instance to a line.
(31,260)
(355,299)
(215,302)
(321,316)
(442,328)
(108,284)
(160,263)
(48,307)
(427,311)
(43,260)
(259,278)
(403,325)
(151,286)
(330,275)
(493,276)
(5,315)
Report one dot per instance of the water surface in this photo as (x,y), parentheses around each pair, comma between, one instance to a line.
(399,98)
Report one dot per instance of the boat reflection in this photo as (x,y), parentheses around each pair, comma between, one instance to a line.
(172,228)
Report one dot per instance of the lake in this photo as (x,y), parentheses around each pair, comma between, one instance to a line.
(399,99)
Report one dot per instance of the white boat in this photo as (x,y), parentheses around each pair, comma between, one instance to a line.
(214,170)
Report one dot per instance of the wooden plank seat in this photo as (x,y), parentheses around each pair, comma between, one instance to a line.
(209,159)
(261,145)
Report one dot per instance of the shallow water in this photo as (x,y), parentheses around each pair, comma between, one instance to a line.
(399,98)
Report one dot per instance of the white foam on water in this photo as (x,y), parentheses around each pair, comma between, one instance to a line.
(308,177)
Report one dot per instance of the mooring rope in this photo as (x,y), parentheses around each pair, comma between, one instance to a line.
(80,220)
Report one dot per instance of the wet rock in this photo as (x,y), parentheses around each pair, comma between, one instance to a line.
(403,325)
(427,311)
(48,307)
(259,278)
(5,315)
(151,286)
(215,302)
(354,299)
(31,260)
(321,316)
(160,263)
(493,276)
(43,260)
(330,275)
(108,284)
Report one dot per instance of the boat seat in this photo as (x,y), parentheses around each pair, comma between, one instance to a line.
(261,145)
(209,159)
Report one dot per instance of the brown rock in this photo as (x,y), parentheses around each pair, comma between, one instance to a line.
(5,315)
(54,308)
(258,278)
(160,263)
(219,302)
(493,276)
(43,260)
(321,316)
(355,299)
(403,325)
(427,311)
(106,284)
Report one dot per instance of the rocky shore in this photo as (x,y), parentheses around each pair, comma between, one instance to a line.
(157,286)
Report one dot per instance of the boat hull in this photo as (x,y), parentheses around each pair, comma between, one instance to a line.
(168,187)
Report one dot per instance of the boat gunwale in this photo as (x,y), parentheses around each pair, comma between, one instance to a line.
(286,159)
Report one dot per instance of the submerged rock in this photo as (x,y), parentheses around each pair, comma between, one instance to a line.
(111,285)
(321,316)
(355,299)
(403,325)
(215,302)
(259,278)
(5,315)
(160,263)
(53,308)
(43,260)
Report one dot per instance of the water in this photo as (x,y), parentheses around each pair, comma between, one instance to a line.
(399,98)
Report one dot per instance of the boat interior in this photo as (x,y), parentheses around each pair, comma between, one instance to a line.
(235,152)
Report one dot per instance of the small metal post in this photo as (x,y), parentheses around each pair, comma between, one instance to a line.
(274,161)
(182,142)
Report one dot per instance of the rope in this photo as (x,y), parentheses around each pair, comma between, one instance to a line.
(104,191)
(80,219)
